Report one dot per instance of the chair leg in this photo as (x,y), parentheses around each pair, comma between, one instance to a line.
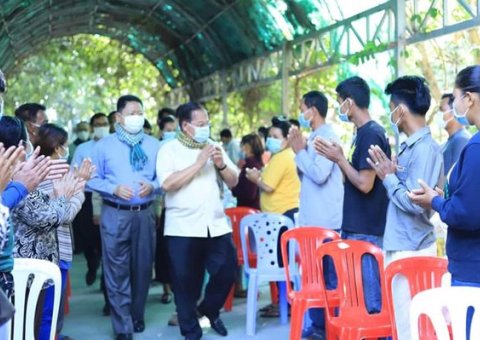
(298,309)
(252,293)
(229,301)
(274,293)
(282,297)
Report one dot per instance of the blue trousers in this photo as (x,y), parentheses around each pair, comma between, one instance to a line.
(47,311)
(371,279)
(370,273)
(317,315)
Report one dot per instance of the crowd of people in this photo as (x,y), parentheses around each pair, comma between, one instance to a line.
(143,208)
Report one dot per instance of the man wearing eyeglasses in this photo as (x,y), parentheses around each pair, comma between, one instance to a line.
(192,171)
(126,180)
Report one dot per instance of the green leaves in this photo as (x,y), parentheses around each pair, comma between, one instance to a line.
(77,76)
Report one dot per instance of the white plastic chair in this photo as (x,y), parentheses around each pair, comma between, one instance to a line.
(39,271)
(265,229)
(445,304)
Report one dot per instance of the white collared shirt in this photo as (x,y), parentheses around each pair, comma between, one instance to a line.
(196,209)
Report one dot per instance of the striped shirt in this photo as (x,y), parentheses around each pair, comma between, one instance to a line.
(64,231)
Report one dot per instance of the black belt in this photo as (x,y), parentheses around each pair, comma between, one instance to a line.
(138,207)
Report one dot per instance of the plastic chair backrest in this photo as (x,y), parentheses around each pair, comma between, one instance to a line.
(235,215)
(422,273)
(447,303)
(308,240)
(265,229)
(37,272)
(347,259)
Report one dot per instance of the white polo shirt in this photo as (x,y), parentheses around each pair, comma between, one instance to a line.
(195,209)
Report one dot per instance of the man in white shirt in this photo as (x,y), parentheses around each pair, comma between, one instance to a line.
(191,170)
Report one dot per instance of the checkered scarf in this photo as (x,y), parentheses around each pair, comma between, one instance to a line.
(138,158)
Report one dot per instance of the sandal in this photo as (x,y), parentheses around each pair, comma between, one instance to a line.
(166,298)
(273,313)
(268,308)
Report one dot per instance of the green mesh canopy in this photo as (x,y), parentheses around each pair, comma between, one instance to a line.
(184,39)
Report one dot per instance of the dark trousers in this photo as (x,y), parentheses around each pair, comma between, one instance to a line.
(87,235)
(190,257)
(128,251)
(162,263)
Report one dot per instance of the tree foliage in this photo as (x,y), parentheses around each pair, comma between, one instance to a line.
(77,76)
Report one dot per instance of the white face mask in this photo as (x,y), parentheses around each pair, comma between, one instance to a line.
(66,153)
(442,124)
(83,135)
(101,131)
(133,124)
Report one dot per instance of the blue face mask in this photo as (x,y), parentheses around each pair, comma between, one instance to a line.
(394,125)
(273,145)
(461,118)
(168,135)
(304,123)
(343,116)
(202,133)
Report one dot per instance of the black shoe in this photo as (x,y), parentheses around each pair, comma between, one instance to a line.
(106,310)
(124,337)
(219,327)
(91,277)
(192,338)
(138,326)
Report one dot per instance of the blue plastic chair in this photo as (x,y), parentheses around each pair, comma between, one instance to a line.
(263,231)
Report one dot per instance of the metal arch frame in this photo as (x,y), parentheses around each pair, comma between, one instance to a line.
(313,52)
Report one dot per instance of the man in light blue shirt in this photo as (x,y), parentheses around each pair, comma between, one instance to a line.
(230,145)
(321,191)
(408,230)
(321,194)
(125,178)
(86,225)
(458,136)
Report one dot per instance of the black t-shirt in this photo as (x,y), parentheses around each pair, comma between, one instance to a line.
(366,213)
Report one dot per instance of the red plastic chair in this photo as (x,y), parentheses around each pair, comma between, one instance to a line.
(236,215)
(310,294)
(353,321)
(422,273)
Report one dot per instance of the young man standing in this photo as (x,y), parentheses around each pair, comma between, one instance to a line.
(458,136)
(365,201)
(408,230)
(321,191)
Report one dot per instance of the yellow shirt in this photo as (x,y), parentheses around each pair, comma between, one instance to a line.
(280,174)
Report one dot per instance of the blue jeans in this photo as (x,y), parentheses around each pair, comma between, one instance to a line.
(47,311)
(457,283)
(370,273)
(317,315)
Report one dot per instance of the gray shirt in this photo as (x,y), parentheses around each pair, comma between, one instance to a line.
(408,226)
(453,147)
(321,191)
